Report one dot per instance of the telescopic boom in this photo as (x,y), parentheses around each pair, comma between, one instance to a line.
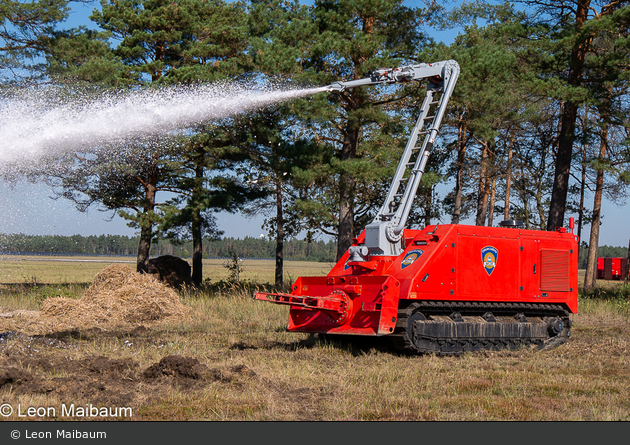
(383,235)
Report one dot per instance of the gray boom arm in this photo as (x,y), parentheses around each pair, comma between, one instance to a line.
(384,233)
(394,75)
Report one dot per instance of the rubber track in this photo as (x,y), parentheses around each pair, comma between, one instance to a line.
(402,342)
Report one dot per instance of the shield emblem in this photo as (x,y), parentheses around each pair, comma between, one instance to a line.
(489,256)
(410,258)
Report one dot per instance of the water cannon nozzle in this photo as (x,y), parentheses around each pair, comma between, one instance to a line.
(336,87)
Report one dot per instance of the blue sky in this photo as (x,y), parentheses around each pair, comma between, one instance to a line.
(27,208)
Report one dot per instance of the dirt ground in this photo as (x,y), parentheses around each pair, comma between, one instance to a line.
(119,307)
(242,378)
(99,380)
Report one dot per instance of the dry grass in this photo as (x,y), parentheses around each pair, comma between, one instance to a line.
(251,369)
(118,298)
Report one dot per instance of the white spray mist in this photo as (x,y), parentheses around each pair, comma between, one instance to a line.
(37,126)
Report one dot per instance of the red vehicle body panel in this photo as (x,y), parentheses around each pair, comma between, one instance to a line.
(445,263)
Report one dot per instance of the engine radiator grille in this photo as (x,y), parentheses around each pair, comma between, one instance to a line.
(554,270)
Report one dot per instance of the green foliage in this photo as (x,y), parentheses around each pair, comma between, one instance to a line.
(234,266)
(82,56)
(275,156)
(75,244)
(185,41)
(43,292)
(618,298)
(345,41)
(26,28)
(146,43)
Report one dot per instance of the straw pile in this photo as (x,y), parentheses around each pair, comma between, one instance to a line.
(119,297)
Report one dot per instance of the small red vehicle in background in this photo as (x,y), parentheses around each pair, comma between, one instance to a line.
(609,268)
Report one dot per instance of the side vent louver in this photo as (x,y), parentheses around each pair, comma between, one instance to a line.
(554,270)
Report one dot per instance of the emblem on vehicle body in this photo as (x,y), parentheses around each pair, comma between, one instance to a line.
(489,256)
(411,257)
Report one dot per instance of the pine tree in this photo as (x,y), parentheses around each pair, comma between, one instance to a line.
(274,154)
(491,111)
(573,27)
(280,35)
(155,43)
(215,51)
(26,28)
(345,40)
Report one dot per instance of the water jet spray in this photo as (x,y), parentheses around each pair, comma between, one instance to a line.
(40,125)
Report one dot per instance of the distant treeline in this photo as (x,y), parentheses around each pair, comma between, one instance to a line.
(124,245)
(245,248)
(602,252)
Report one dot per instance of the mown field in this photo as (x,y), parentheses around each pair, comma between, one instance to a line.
(233,360)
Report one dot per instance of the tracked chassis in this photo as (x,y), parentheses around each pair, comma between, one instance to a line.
(452,328)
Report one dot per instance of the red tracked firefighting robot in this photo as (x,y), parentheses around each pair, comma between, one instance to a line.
(446,289)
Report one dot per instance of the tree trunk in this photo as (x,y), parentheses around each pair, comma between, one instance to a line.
(567,128)
(539,193)
(459,182)
(493,188)
(523,194)
(508,179)
(279,233)
(146,225)
(526,214)
(196,226)
(563,168)
(582,193)
(583,178)
(541,208)
(484,188)
(590,277)
(428,207)
(144,247)
(346,192)
(197,253)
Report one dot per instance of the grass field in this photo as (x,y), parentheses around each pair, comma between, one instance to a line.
(80,269)
(233,360)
